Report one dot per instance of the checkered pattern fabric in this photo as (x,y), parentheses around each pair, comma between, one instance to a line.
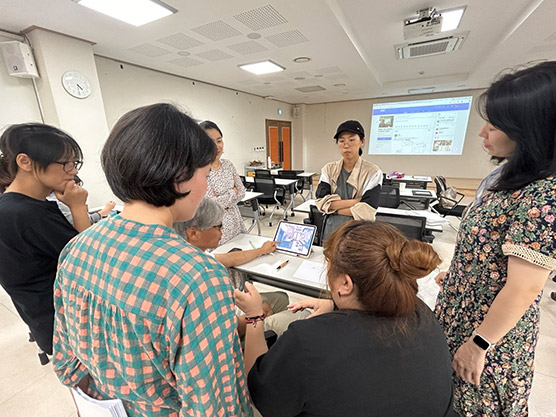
(151,319)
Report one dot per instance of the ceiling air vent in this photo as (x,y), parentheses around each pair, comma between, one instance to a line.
(429,48)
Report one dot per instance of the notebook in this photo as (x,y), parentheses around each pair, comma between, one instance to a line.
(295,239)
(90,407)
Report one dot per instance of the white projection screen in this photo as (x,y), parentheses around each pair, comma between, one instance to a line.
(420,127)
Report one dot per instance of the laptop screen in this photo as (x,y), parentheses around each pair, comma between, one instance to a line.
(295,238)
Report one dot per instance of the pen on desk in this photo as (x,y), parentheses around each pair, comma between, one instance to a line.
(283,264)
(252,245)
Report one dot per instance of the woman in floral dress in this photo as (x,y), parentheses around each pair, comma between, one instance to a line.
(505,250)
(225,186)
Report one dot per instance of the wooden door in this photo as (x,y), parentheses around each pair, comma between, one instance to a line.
(278,142)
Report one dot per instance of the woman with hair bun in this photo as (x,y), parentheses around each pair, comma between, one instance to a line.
(374,349)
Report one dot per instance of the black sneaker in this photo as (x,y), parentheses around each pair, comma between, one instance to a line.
(553,295)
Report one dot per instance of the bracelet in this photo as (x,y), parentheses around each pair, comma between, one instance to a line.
(254,320)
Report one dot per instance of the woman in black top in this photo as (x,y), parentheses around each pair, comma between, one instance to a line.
(36,159)
(380,353)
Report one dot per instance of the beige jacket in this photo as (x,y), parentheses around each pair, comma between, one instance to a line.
(364,176)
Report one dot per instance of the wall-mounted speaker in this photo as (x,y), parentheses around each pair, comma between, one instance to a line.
(296,112)
(19,59)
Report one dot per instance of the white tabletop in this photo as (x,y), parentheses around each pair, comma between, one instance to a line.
(278,181)
(306,174)
(434,221)
(424,178)
(250,195)
(265,267)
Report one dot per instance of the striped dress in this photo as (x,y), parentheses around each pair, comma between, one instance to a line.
(151,319)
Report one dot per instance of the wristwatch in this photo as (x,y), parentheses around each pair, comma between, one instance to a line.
(481,342)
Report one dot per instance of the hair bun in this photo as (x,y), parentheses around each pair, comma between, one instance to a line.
(393,253)
(414,259)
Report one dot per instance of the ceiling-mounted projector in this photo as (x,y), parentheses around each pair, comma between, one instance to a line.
(428,22)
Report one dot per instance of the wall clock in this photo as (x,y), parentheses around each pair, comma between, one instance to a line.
(76,84)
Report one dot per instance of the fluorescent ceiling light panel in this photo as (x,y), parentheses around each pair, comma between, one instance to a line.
(263,67)
(451,18)
(424,90)
(134,12)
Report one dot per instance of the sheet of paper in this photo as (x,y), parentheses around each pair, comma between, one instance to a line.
(312,271)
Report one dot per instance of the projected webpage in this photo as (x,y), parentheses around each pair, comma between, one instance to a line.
(421,127)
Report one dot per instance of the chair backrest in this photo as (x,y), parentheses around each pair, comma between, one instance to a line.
(263,173)
(386,180)
(244,182)
(317,218)
(266,186)
(440,183)
(291,174)
(389,196)
(413,227)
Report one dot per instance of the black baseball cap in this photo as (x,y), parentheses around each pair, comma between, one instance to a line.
(351,126)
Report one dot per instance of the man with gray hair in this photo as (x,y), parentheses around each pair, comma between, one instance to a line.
(204,231)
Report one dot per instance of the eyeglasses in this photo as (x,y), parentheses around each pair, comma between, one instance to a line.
(219,227)
(70,165)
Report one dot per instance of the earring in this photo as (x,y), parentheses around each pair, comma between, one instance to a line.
(339,295)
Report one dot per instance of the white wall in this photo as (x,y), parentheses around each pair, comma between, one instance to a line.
(18,103)
(321,120)
(240,116)
(85,119)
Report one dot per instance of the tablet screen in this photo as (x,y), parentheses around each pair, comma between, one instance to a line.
(295,238)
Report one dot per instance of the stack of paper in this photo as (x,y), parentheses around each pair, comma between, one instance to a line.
(433,219)
(89,407)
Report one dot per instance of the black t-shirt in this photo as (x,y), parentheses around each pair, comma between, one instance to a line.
(32,235)
(351,363)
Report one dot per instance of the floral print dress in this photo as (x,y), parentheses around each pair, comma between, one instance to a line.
(220,188)
(521,224)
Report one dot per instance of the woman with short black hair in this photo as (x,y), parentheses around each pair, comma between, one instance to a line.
(506,248)
(141,315)
(35,160)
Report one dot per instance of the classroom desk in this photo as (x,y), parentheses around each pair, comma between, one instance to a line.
(423,180)
(284,183)
(308,176)
(434,221)
(418,195)
(263,269)
(251,198)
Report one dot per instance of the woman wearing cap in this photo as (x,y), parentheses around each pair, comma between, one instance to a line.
(349,188)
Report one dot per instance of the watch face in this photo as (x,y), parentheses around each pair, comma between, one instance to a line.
(76,84)
(481,342)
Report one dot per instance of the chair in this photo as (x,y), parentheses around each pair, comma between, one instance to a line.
(390,197)
(446,205)
(318,219)
(263,173)
(293,175)
(248,186)
(271,195)
(413,227)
